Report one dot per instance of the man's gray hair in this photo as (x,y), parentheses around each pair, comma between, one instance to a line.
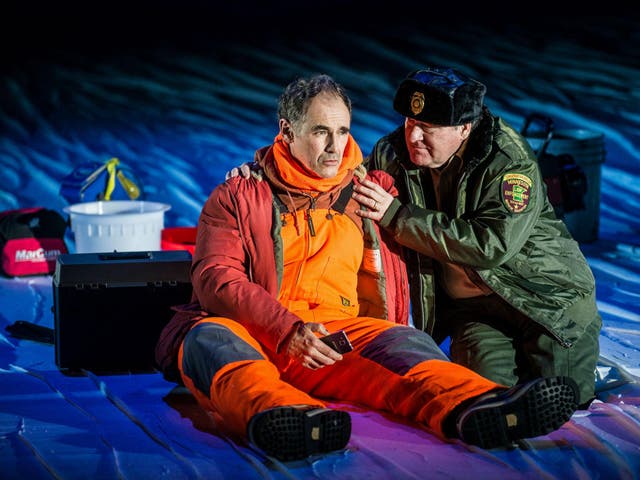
(294,101)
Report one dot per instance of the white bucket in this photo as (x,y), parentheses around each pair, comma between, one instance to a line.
(117,225)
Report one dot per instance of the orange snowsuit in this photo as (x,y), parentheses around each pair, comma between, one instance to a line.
(235,373)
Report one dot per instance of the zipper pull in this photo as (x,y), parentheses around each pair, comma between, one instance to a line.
(312,230)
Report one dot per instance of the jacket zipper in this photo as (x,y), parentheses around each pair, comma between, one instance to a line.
(307,214)
(312,233)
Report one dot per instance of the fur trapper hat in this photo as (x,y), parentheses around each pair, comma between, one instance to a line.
(442,96)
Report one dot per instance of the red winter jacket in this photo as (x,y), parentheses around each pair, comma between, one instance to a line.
(237,266)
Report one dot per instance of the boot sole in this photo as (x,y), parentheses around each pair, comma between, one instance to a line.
(537,408)
(289,433)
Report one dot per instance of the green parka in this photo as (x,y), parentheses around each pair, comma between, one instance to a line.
(528,258)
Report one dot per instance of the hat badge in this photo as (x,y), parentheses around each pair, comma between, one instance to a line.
(417,102)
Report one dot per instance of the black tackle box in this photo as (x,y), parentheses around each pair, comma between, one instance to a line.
(109,308)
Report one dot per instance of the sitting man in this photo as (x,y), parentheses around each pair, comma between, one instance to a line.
(280,258)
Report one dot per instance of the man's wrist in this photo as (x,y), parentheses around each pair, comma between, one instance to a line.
(389,216)
(286,340)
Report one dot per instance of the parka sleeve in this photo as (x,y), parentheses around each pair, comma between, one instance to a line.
(489,232)
(222,272)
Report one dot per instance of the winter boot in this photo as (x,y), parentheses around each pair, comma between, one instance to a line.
(293,433)
(523,411)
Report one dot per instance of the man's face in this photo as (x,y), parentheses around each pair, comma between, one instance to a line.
(432,145)
(318,142)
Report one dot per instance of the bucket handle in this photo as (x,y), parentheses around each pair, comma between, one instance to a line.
(547,124)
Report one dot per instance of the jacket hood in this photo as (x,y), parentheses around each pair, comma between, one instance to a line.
(295,185)
(289,173)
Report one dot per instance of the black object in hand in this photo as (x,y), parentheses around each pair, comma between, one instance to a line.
(338,341)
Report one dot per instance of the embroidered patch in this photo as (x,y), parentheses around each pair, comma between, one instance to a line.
(516,191)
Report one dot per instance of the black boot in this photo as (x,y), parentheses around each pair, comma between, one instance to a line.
(523,411)
(293,433)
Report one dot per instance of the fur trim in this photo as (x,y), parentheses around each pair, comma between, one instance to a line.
(442,96)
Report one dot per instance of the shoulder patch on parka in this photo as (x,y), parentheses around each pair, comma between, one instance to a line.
(516,191)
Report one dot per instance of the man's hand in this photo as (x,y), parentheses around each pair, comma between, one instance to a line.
(372,196)
(244,170)
(309,350)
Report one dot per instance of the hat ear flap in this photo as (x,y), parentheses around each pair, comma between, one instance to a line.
(468,102)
